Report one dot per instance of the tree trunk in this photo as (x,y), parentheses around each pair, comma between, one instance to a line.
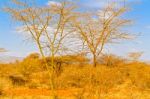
(94,60)
(51,74)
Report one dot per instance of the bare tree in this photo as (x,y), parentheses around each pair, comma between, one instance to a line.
(47,25)
(100,28)
(60,27)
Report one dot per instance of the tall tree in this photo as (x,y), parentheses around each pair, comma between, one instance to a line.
(47,25)
(100,28)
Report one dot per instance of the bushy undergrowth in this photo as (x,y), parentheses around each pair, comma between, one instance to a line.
(77,77)
(103,78)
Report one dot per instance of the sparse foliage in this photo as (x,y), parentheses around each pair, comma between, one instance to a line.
(47,25)
(97,30)
(50,27)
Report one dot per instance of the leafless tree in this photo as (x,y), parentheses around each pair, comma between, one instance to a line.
(100,28)
(47,25)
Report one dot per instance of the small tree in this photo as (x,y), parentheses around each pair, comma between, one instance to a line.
(135,55)
(111,60)
(30,64)
(33,56)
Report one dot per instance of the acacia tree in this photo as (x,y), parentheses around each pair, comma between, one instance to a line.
(100,28)
(47,25)
(59,29)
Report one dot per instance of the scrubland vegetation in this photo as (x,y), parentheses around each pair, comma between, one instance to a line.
(79,70)
(76,79)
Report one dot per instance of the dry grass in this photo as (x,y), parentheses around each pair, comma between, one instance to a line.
(125,81)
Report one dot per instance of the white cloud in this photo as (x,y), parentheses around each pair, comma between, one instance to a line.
(148,27)
(104,3)
(53,3)
(95,4)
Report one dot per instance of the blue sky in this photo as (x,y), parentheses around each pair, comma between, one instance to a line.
(19,46)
